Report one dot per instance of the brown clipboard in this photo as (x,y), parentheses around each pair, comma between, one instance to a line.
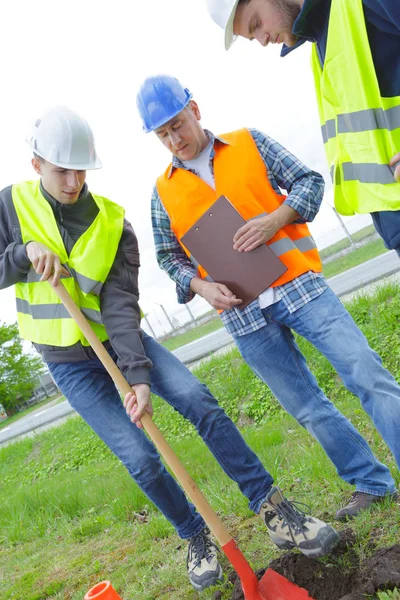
(210,242)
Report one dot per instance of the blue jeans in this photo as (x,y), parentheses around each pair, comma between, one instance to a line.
(91,392)
(387,224)
(274,356)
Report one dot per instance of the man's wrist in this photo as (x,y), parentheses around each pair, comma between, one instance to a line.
(197,285)
(284,215)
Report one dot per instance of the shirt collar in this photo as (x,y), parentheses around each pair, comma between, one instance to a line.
(177,164)
(308,24)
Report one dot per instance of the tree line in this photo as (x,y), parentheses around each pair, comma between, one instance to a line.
(18,371)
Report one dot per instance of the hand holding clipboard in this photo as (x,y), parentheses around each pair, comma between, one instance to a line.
(210,241)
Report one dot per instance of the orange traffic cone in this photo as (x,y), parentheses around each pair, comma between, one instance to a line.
(102,591)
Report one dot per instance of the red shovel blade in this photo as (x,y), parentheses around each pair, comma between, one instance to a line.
(271,586)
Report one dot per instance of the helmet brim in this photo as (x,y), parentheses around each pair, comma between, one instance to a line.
(230,36)
(92,166)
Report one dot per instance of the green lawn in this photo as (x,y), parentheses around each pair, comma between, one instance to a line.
(71,516)
(357,257)
(345,243)
(193,334)
(25,412)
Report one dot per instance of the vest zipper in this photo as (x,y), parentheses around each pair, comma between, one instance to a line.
(59,211)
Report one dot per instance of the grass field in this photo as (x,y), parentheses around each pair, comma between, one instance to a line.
(345,243)
(352,259)
(193,334)
(29,410)
(71,516)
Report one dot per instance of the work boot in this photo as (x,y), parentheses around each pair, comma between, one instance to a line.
(360,501)
(289,527)
(202,563)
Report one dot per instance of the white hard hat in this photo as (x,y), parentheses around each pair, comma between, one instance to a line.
(223,13)
(62,137)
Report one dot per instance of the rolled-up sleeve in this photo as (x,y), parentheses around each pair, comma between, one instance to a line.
(305,187)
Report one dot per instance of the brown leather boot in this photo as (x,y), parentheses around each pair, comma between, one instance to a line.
(361,501)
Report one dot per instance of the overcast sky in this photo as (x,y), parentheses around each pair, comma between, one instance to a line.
(92,55)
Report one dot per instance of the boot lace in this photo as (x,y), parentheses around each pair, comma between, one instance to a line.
(200,547)
(354,496)
(293,517)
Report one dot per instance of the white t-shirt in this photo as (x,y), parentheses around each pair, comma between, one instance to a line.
(201,164)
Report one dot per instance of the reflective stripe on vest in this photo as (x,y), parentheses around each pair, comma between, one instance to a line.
(87,285)
(240,175)
(362,120)
(360,128)
(53,311)
(41,316)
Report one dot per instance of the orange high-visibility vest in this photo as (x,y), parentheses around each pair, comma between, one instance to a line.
(240,175)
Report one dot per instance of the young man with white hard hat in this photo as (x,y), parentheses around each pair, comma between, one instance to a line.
(251,169)
(356,67)
(54,227)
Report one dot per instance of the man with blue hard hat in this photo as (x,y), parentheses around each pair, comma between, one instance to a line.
(356,67)
(251,169)
(55,226)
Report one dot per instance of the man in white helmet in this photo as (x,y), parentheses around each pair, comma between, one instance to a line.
(54,227)
(356,67)
(251,170)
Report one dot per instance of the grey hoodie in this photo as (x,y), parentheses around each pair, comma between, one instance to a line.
(119,295)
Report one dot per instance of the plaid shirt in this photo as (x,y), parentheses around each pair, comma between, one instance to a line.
(305,191)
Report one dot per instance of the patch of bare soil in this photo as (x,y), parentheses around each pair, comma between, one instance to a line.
(338,580)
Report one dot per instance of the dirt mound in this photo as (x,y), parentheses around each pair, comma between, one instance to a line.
(338,580)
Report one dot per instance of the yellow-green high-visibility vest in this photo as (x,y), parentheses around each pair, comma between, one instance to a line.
(360,128)
(41,316)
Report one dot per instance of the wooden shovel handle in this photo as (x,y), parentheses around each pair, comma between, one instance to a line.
(211,518)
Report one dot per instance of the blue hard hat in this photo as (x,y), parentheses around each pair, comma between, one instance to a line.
(160,99)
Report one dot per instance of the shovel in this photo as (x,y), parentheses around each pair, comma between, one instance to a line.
(272,586)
